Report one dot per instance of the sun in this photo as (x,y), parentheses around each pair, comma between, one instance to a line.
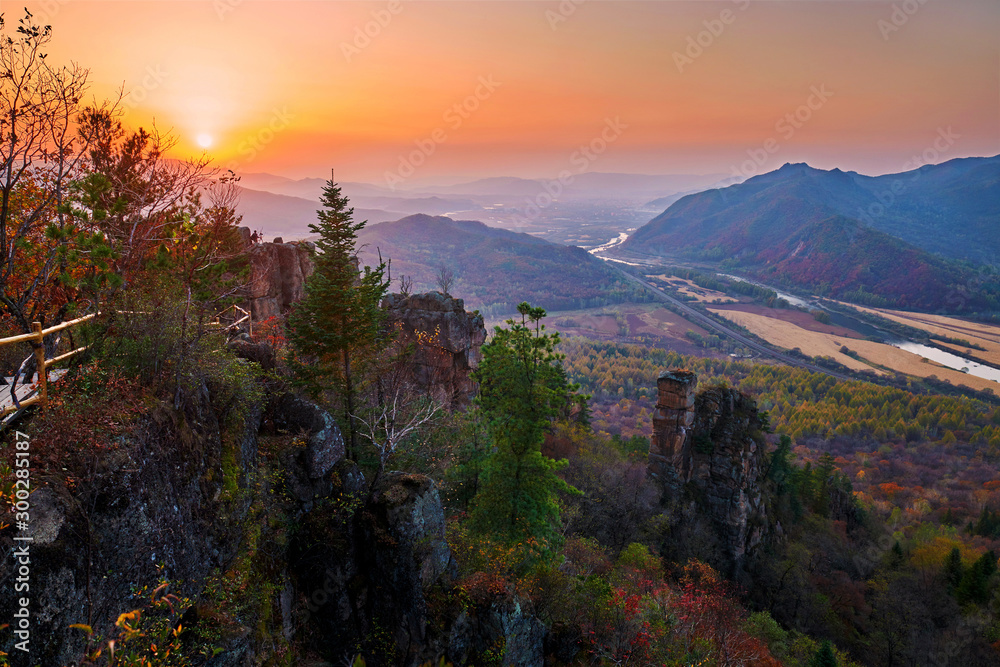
(204,140)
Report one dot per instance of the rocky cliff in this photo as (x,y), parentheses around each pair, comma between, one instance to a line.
(278,273)
(709,454)
(446,342)
(275,543)
(169,501)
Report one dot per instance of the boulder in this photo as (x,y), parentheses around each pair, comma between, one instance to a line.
(446,340)
(324,444)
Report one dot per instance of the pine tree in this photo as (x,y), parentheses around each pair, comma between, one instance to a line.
(824,656)
(975,584)
(896,557)
(953,569)
(523,387)
(338,327)
(780,469)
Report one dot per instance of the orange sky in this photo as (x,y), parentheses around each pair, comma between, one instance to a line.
(288,88)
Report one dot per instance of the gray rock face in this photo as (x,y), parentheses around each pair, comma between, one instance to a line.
(154,507)
(278,273)
(523,636)
(408,555)
(325,443)
(447,341)
(709,450)
(414,516)
(381,569)
(375,569)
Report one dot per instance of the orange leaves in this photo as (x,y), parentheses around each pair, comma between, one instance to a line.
(889,489)
(271,331)
(483,587)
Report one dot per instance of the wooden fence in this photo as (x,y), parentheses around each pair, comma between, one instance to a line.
(240,315)
(9,400)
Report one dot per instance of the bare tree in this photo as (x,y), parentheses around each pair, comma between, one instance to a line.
(405,285)
(445,279)
(42,147)
(395,418)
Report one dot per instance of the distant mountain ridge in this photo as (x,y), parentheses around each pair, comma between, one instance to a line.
(494,269)
(896,236)
(289,217)
(585,185)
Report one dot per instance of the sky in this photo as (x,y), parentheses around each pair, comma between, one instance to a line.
(413,92)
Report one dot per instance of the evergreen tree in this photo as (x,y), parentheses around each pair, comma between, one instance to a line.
(953,569)
(896,558)
(824,481)
(988,524)
(337,329)
(975,584)
(824,656)
(780,469)
(523,387)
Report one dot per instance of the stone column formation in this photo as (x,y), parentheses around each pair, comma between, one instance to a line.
(672,419)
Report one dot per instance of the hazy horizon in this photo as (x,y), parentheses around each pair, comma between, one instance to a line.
(445,181)
(432,92)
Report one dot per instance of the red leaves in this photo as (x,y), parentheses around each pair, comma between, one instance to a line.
(623,634)
(85,415)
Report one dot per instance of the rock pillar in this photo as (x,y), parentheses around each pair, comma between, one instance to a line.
(672,419)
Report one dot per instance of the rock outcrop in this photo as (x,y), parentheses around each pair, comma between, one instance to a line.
(446,343)
(708,451)
(278,273)
(209,494)
(382,578)
(672,420)
(163,504)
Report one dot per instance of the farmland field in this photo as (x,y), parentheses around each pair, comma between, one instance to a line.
(813,343)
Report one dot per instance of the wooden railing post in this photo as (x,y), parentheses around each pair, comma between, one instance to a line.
(36,328)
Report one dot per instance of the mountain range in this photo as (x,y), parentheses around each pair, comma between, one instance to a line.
(494,269)
(280,206)
(910,238)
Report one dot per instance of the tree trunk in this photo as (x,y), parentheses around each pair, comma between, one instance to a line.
(352,432)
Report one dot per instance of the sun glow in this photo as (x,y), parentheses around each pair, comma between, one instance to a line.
(204,140)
